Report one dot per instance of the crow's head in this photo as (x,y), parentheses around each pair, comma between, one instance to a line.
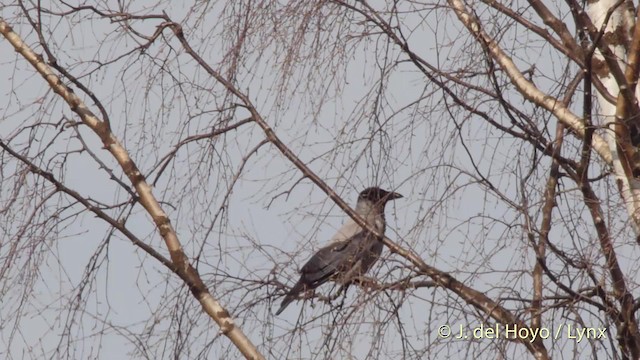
(377,195)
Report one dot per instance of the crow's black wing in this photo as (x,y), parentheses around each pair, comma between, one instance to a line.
(325,263)
(322,265)
(361,250)
(352,257)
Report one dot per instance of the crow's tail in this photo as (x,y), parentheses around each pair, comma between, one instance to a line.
(291,295)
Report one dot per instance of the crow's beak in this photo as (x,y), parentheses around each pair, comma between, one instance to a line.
(393,196)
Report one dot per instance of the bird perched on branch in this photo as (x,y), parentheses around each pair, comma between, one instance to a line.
(352,251)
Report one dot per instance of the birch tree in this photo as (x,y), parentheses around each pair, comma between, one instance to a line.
(166,168)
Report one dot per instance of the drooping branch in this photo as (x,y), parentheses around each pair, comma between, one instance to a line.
(146,198)
(89,206)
